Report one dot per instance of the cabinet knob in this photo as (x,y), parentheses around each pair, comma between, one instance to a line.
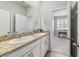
(31,54)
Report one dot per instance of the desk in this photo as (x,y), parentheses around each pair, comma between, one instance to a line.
(62,33)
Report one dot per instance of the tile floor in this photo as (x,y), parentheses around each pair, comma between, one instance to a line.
(55,54)
(60,48)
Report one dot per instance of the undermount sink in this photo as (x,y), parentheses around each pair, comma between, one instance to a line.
(20,40)
(25,39)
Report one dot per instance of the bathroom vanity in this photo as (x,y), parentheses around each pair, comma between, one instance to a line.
(35,45)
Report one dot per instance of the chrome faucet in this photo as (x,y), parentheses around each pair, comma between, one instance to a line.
(17,35)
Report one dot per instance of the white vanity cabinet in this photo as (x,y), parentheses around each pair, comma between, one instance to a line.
(41,49)
(37,48)
(24,50)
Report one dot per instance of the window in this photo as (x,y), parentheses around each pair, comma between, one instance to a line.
(61,22)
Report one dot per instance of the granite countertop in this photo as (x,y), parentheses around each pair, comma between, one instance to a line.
(5,47)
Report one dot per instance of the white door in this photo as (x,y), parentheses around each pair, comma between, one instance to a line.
(69,32)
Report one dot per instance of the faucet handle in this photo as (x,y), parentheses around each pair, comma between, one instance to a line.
(8,32)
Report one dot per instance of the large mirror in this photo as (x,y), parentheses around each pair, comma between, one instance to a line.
(23,23)
(4,22)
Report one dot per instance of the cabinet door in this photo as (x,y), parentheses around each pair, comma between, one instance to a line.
(36,51)
(47,42)
(43,46)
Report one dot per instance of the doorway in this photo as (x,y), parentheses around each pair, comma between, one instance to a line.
(61,25)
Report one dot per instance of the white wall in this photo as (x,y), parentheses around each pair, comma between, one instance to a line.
(46,8)
(34,12)
(60,12)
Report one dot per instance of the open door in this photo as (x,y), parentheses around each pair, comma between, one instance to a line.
(74,28)
(78,32)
